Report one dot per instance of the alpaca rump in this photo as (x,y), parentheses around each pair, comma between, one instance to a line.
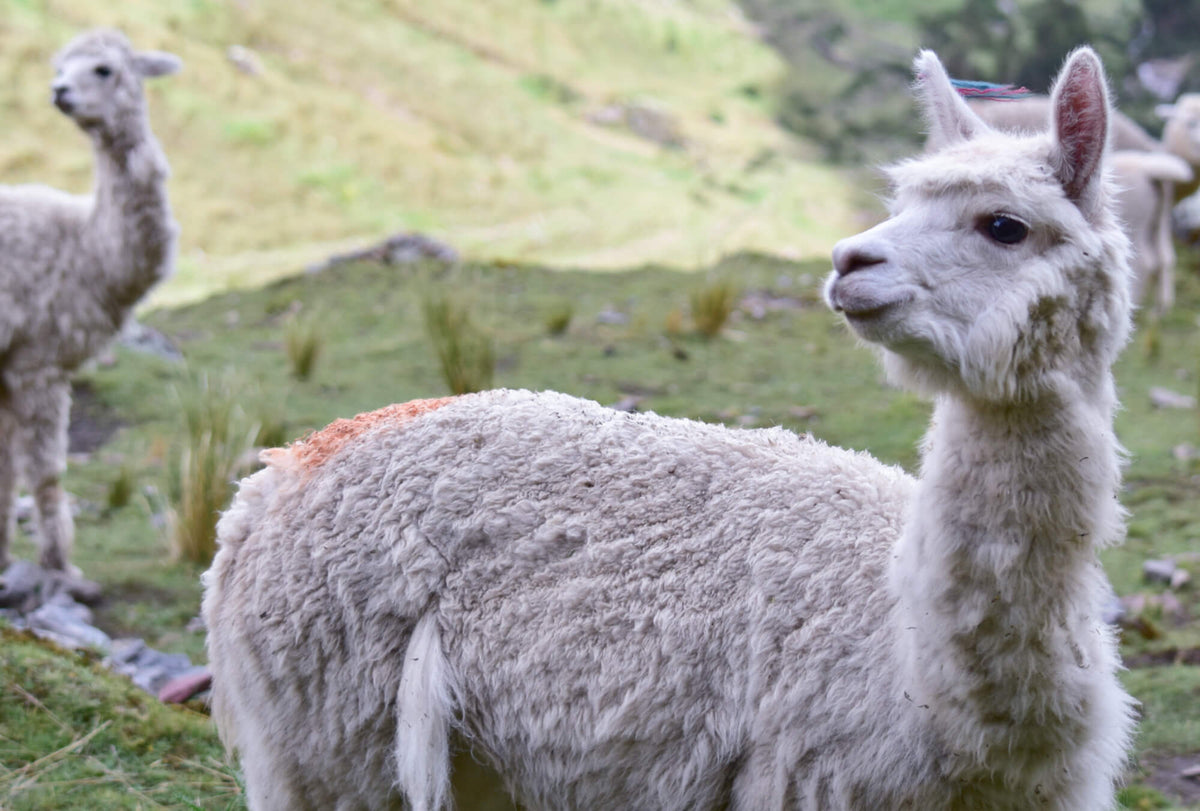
(630,548)
(72,268)
(628,611)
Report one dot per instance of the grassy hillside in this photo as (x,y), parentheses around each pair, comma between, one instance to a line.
(501,127)
(783,360)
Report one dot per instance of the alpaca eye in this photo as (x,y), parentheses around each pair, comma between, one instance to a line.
(1005,229)
(103,71)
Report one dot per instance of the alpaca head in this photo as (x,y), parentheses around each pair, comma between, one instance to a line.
(1002,272)
(98,79)
(1182,131)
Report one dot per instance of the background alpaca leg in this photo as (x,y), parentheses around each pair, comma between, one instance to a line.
(8,483)
(1165,298)
(45,415)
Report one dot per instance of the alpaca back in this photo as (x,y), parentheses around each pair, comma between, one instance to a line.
(589,574)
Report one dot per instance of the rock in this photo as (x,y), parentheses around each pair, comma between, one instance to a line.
(65,626)
(1180,578)
(23,586)
(244,59)
(146,667)
(611,316)
(140,338)
(1165,398)
(1158,571)
(1185,452)
(398,249)
(627,404)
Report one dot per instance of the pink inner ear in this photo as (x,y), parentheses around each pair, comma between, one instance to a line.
(1081,122)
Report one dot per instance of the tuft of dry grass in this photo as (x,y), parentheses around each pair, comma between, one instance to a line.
(559,317)
(201,471)
(712,303)
(465,354)
(303,341)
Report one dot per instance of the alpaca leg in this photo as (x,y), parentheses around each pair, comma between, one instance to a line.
(8,483)
(45,415)
(1166,250)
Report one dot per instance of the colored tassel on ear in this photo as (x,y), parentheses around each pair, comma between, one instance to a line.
(987,90)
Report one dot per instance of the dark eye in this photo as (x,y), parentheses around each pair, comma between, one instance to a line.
(1005,229)
(103,71)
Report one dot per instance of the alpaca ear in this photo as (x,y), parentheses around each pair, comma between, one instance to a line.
(948,117)
(149,64)
(1079,120)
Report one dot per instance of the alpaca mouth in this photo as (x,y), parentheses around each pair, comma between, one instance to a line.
(861,300)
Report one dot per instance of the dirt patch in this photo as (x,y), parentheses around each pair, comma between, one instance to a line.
(92,422)
(1177,776)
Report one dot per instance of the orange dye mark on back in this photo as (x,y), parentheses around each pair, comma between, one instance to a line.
(318,446)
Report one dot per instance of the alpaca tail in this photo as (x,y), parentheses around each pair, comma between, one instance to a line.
(424,713)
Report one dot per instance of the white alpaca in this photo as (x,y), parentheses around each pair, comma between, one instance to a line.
(1148,178)
(1146,183)
(624,611)
(1032,113)
(72,268)
(1181,135)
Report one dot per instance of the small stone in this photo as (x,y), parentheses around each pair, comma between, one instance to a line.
(1165,398)
(1158,571)
(63,627)
(1180,578)
(612,317)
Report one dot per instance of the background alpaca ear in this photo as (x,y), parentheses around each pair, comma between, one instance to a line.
(948,117)
(1079,119)
(149,64)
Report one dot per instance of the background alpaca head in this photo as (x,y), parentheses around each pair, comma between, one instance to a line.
(1181,134)
(1002,272)
(98,79)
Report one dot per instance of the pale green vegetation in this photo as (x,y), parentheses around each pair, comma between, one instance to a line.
(474,122)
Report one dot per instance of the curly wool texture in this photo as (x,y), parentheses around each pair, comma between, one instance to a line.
(624,549)
(73,267)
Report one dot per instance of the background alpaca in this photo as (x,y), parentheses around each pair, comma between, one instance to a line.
(1181,135)
(625,611)
(72,268)
(1150,175)
(1146,183)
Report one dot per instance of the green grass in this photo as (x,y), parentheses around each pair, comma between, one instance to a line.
(470,121)
(797,366)
(74,736)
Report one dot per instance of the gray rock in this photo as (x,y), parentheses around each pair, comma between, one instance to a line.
(1158,571)
(64,627)
(1165,398)
(140,338)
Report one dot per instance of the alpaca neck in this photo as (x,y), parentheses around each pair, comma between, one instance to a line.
(131,219)
(996,574)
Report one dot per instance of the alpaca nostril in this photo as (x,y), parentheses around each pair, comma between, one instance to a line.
(849,258)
